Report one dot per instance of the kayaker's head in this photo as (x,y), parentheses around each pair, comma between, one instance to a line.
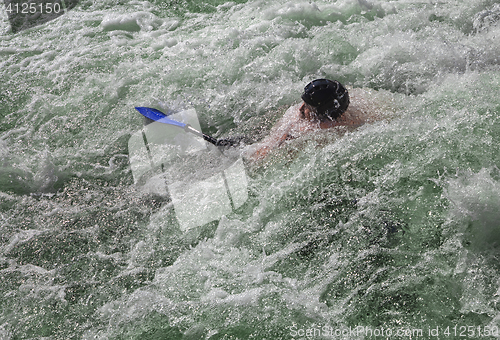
(324,98)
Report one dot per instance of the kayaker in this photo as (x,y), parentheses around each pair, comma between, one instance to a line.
(325,105)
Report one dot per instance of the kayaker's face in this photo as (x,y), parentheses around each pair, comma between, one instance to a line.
(306,111)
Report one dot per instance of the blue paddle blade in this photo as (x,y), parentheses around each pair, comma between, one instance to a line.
(158,116)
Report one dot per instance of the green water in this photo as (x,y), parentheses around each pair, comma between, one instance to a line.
(392,226)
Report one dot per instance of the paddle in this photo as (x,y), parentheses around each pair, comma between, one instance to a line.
(160,117)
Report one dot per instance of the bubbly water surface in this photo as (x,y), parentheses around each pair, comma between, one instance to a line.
(394,226)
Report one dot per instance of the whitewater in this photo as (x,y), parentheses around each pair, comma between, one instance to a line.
(389,230)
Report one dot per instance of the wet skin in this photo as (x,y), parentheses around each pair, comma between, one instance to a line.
(301,121)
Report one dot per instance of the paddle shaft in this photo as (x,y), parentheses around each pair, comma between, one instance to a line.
(210,139)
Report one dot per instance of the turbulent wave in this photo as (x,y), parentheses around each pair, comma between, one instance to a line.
(391,226)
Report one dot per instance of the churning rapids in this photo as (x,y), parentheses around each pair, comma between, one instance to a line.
(390,227)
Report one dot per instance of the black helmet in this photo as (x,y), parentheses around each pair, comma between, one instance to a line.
(329,97)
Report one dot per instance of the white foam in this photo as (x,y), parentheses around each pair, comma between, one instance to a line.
(476,198)
(132,22)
